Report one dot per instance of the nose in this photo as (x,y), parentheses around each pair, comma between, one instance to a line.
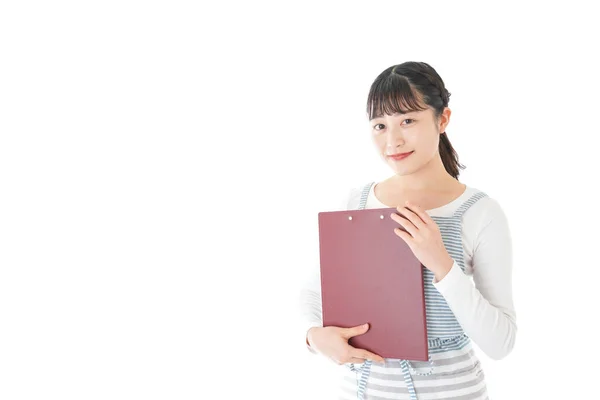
(394,139)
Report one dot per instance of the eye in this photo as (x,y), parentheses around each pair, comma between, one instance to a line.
(407,121)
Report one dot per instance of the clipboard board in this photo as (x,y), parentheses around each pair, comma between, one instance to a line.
(370,275)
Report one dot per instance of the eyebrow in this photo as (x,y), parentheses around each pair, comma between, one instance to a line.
(381,115)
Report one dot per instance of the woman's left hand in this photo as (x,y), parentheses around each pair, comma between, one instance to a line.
(424,239)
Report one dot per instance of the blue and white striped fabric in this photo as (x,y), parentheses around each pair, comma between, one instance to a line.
(453,366)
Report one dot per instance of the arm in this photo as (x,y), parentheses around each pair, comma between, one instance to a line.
(310,306)
(485,310)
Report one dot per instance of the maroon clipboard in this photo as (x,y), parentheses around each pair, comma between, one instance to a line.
(370,275)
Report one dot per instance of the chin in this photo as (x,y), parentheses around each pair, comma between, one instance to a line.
(402,171)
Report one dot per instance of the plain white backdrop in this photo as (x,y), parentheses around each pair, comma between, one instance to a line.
(162,165)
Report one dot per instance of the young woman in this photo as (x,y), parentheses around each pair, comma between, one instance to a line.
(460,235)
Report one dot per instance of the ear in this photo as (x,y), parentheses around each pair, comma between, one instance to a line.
(444,119)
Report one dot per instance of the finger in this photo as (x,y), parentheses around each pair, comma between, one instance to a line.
(405,236)
(348,333)
(366,355)
(412,216)
(420,212)
(407,224)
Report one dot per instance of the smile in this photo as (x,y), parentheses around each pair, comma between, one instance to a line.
(400,156)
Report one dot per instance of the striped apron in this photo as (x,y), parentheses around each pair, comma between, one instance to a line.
(443,330)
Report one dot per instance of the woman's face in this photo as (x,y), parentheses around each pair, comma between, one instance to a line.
(416,133)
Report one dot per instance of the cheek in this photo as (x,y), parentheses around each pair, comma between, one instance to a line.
(378,141)
(425,146)
(429,140)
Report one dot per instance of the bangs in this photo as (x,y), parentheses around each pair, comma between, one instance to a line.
(393,94)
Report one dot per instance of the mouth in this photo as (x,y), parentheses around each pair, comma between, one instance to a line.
(400,156)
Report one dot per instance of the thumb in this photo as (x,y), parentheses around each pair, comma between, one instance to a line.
(356,330)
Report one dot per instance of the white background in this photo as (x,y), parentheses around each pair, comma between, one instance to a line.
(162,165)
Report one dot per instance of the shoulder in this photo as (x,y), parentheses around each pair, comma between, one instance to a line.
(484,210)
(354,194)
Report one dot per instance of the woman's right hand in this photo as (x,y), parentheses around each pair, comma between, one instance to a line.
(332,342)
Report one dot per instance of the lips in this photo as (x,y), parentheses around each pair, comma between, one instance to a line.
(400,156)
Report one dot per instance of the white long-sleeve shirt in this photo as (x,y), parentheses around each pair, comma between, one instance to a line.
(481,297)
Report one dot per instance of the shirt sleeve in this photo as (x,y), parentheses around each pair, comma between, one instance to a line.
(484,308)
(310,306)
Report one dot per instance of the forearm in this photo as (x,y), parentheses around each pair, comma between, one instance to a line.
(310,308)
(492,328)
